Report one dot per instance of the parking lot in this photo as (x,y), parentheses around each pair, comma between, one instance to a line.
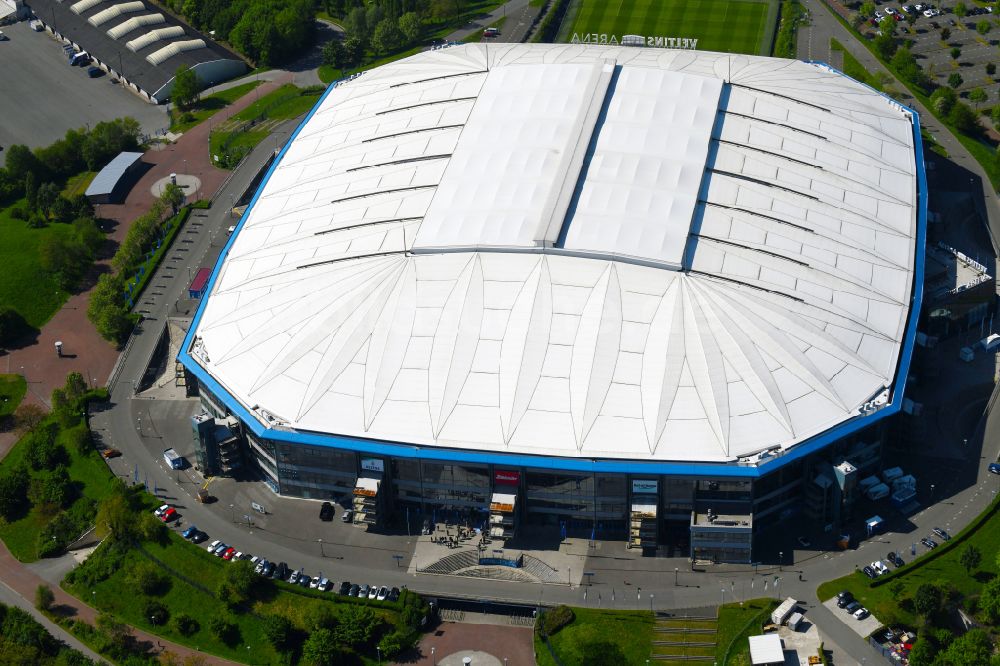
(934,54)
(42,96)
(862,628)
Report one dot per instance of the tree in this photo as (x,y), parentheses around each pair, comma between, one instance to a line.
(943,100)
(31,190)
(357,625)
(44,597)
(885,41)
(964,119)
(186,87)
(173,197)
(13,493)
(278,630)
(955,80)
(409,25)
(991,69)
(320,649)
(148,579)
(867,9)
(923,652)
(354,49)
(983,27)
(28,416)
(960,10)
(989,601)
(53,489)
(911,18)
(47,195)
(356,25)
(320,616)
(945,34)
(927,600)
(185,624)
(974,648)
(115,517)
(238,584)
(224,629)
(333,54)
(387,37)
(977,96)
(65,259)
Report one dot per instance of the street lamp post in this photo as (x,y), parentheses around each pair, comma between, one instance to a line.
(321,553)
(379,651)
(433,659)
(675,576)
(781,556)
(232,512)
(650,602)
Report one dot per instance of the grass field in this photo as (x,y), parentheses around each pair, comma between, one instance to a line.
(942,568)
(631,631)
(736,623)
(736,26)
(24,286)
(12,390)
(208,106)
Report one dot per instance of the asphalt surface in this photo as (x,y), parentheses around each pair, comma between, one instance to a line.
(41,96)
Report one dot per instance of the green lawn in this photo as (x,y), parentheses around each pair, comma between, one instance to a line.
(631,631)
(940,568)
(24,286)
(209,105)
(91,477)
(285,103)
(12,390)
(736,26)
(78,184)
(736,623)
(193,593)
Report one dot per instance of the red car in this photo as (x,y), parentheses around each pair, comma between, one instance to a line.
(168,515)
(228,555)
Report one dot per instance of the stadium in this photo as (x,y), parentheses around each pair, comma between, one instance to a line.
(653,295)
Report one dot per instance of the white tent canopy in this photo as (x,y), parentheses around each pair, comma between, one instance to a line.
(594,252)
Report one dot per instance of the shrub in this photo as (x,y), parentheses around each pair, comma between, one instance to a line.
(44,597)
(148,578)
(186,625)
(225,630)
(556,619)
(157,613)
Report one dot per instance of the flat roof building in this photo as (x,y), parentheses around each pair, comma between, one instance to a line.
(602,260)
(113,182)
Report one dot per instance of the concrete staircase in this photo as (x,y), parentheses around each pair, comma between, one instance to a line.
(683,639)
(466,563)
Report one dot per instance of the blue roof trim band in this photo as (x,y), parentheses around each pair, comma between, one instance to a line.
(729,470)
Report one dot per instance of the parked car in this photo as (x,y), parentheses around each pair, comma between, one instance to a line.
(110,453)
(268,570)
(868,571)
(347,516)
(294,578)
(159,511)
(345,587)
(94,72)
(281,571)
(860,614)
(260,566)
(491,32)
(354,590)
(363,591)
(879,567)
(394,594)
(326,512)
(228,553)
(383,593)
(930,543)
(304,580)
(895,559)
(373,591)
(198,537)
(237,556)
(941,533)
(169,515)
(844,598)
(220,549)
(994,468)
(851,607)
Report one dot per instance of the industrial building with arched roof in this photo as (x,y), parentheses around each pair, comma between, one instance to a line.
(634,293)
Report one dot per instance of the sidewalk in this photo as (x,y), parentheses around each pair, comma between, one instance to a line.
(21,580)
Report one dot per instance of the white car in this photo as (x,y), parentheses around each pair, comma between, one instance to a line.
(879,15)
(861,613)
(294,578)
(238,556)
(212,546)
(159,512)
(879,567)
(373,592)
(931,13)
(383,593)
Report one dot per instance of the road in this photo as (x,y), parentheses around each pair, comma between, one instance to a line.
(519,14)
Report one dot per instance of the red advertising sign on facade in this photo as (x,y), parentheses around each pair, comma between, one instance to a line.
(503,476)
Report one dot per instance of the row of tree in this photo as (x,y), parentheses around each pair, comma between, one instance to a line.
(25,641)
(268,32)
(108,309)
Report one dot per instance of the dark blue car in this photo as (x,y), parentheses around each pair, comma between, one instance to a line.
(190,532)
(995,468)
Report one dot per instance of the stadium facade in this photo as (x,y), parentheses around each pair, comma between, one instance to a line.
(661,296)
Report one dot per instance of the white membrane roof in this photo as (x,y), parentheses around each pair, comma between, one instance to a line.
(567,250)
